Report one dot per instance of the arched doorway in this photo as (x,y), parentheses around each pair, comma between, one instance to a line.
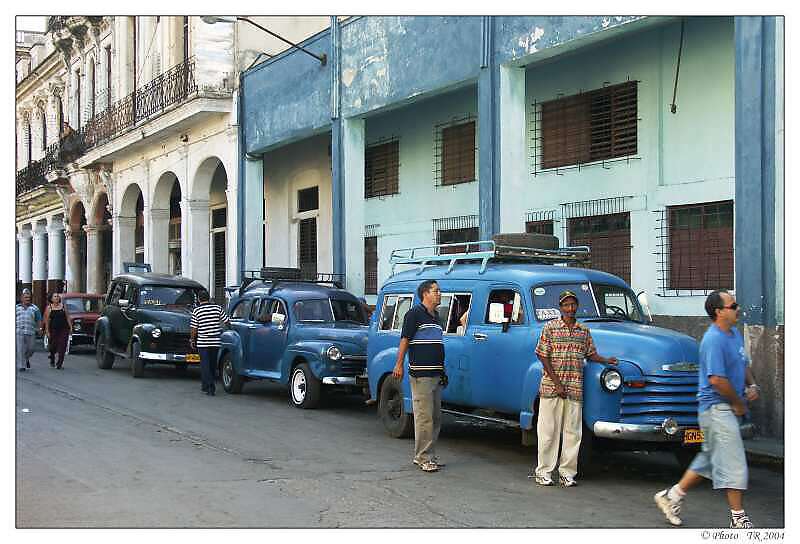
(103,252)
(130,239)
(210,226)
(138,236)
(174,265)
(76,249)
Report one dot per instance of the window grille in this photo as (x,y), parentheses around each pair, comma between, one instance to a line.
(308,199)
(371,265)
(219,218)
(219,267)
(609,237)
(695,248)
(539,227)
(598,126)
(450,230)
(382,168)
(307,254)
(455,151)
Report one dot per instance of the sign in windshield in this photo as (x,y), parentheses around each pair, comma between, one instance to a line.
(545,300)
(158,295)
(327,310)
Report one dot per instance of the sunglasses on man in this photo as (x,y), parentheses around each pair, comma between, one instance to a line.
(734,307)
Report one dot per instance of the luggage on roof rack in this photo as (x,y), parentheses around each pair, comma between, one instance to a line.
(273,275)
(526,248)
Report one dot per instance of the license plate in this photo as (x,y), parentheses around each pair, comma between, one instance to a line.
(692,436)
(193,358)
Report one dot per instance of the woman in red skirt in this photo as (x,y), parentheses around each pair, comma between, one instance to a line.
(57,326)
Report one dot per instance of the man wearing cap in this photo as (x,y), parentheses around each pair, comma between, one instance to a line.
(563,345)
(28,317)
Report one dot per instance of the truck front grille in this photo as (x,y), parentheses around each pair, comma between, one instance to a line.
(661,397)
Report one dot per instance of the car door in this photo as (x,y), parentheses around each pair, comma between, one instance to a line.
(500,359)
(268,340)
(113,313)
(241,324)
(454,306)
(128,317)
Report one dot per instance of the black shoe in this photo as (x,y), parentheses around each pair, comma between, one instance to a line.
(27,364)
(52,363)
(212,393)
(59,367)
(204,389)
(22,369)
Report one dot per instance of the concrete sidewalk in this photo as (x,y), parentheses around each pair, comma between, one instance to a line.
(764,451)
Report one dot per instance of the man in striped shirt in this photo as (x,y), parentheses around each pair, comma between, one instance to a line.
(206,325)
(422,337)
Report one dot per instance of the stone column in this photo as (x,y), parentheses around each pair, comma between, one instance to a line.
(195,243)
(513,147)
(232,237)
(156,249)
(253,210)
(25,256)
(94,258)
(124,243)
(75,267)
(55,252)
(39,272)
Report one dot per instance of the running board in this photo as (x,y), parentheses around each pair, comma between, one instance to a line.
(506,422)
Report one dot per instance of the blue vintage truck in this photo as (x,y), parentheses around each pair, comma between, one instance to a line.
(495,300)
(307,335)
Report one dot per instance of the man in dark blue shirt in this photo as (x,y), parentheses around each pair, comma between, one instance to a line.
(422,338)
(722,398)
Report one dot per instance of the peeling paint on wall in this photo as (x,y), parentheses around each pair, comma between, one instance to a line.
(528,42)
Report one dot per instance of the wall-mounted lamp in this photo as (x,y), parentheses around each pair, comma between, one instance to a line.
(211,19)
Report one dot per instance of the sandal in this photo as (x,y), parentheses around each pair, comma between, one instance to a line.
(429,466)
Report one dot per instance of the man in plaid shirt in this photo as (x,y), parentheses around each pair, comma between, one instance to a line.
(27,323)
(563,345)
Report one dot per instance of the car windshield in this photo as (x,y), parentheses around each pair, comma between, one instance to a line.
(326,310)
(81,305)
(545,300)
(160,295)
(617,303)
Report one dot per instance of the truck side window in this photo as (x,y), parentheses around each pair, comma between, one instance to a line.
(453,312)
(513,308)
(242,310)
(387,312)
(257,303)
(403,306)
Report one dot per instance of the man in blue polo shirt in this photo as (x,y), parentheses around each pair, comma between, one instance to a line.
(422,337)
(722,399)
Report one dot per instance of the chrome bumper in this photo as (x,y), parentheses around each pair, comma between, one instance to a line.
(651,433)
(166,357)
(349,380)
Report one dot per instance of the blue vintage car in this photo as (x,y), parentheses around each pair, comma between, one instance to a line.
(494,304)
(306,335)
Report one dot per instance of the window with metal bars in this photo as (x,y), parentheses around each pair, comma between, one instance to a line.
(382,169)
(609,237)
(598,125)
(455,152)
(539,227)
(701,246)
(370,265)
(452,236)
(307,248)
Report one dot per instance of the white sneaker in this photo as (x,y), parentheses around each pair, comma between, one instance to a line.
(544,480)
(671,509)
(567,481)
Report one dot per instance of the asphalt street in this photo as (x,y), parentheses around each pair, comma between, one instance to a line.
(98,448)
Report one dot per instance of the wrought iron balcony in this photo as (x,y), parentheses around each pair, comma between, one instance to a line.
(34,175)
(170,88)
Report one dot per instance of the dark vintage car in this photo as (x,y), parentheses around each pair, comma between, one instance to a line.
(84,309)
(305,335)
(146,318)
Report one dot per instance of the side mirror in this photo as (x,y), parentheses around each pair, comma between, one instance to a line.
(641,296)
(278,319)
(496,313)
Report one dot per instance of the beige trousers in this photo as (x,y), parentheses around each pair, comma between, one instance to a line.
(426,397)
(559,421)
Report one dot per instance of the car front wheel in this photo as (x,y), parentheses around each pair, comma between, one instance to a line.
(137,363)
(232,382)
(304,388)
(105,359)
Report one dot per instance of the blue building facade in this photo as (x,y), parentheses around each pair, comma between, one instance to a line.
(422,130)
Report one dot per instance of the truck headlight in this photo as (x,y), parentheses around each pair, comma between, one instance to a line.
(333,353)
(76,325)
(156,333)
(611,379)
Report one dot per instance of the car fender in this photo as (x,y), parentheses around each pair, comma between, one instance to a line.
(380,367)
(103,324)
(310,352)
(530,392)
(232,343)
(140,333)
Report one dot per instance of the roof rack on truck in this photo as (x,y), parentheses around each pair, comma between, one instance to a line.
(514,247)
(272,276)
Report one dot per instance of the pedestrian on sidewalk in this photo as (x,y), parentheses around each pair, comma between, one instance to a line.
(206,328)
(722,400)
(57,326)
(563,345)
(27,322)
(421,336)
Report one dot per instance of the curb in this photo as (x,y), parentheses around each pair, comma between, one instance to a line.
(764,459)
